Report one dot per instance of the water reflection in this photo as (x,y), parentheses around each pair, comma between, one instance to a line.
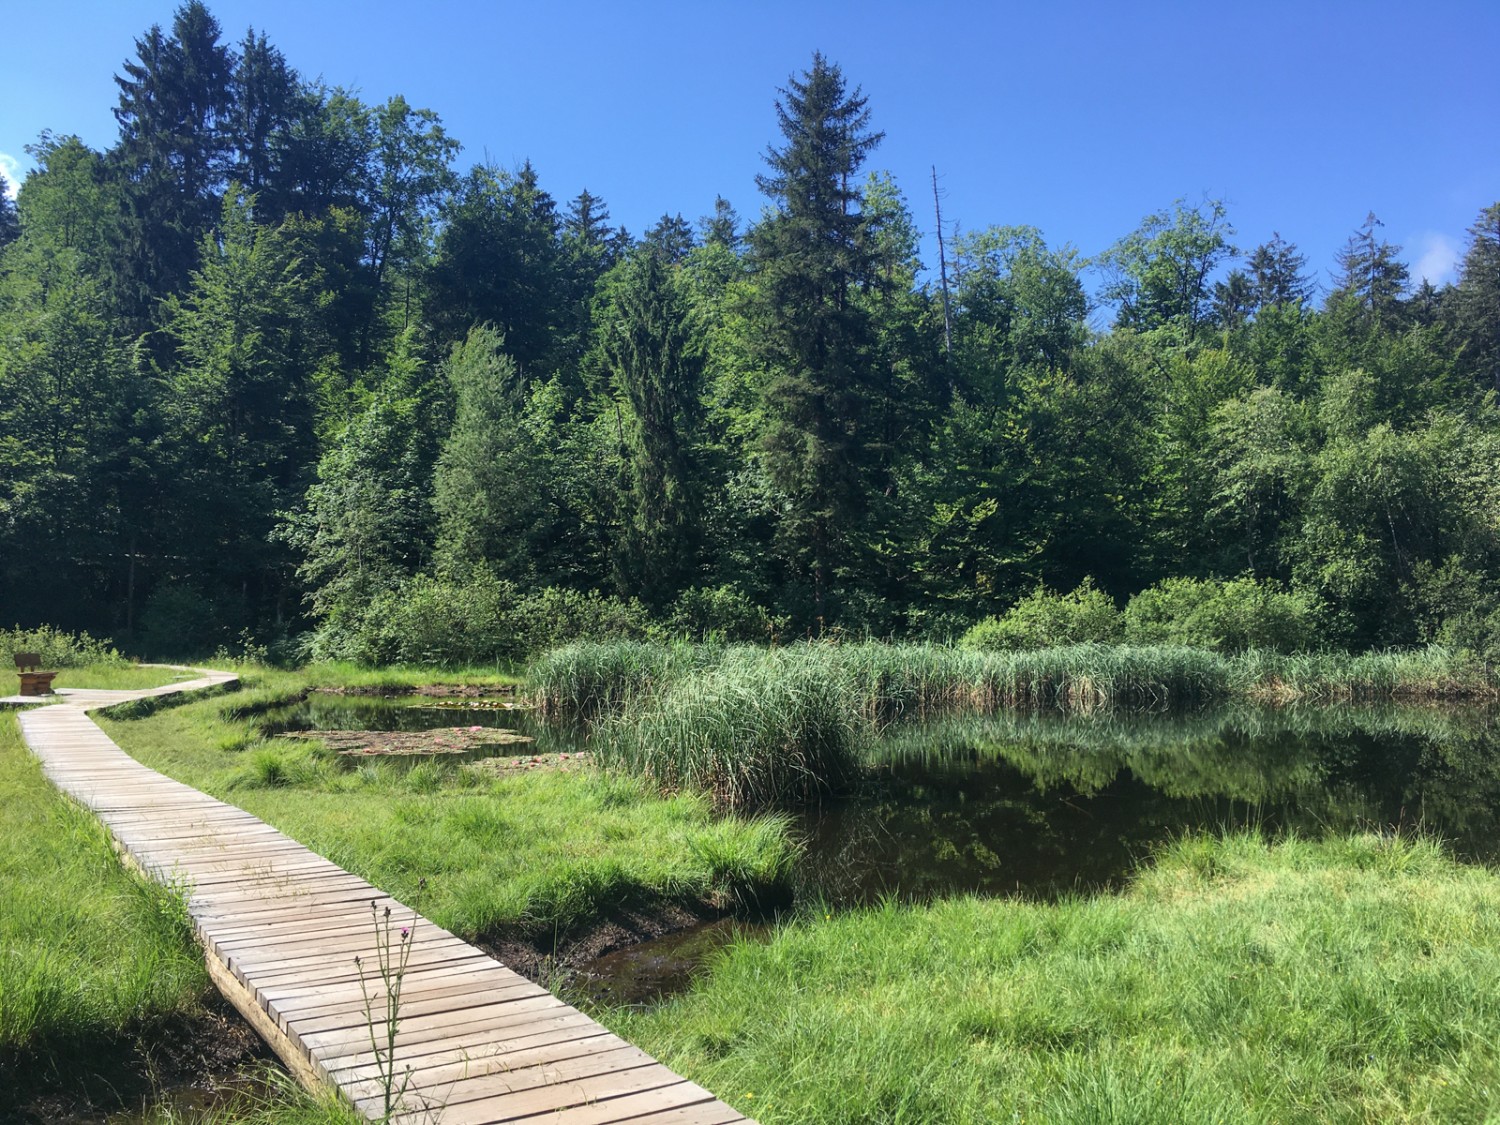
(1043,804)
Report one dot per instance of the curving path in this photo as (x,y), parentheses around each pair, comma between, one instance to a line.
(281,926)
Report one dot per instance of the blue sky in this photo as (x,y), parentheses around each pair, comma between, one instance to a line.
(1078,118)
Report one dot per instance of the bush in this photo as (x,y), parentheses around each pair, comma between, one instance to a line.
(1227,616)
(1044,619)
(58,649)
(1457,607)
(479,620)
(721,613)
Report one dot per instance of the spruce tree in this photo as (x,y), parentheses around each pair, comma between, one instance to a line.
(1276,274)
(172,106)
(654,365)
(1477,301)
(10,225)
(1372,279)
(810,256)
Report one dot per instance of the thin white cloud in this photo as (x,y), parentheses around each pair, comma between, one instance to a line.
(11,167)
(1437,257)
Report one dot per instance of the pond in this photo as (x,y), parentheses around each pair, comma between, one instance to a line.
(1039,805)
(1047,804)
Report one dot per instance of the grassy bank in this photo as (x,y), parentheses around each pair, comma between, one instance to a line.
(535,852)
(118,677)
(88,950)
(755,725)
(1353,980)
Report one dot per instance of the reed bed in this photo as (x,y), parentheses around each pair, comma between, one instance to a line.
(894,679)
(747,735)
(590,677)
(756,726)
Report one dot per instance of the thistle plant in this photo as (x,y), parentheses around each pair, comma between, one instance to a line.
(383,1004)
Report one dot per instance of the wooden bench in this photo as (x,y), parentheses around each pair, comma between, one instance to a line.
(33,680)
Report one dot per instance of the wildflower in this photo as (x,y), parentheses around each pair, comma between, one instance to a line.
(405,933)
(475,730)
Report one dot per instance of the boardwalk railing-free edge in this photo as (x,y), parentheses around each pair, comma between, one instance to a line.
(281,926)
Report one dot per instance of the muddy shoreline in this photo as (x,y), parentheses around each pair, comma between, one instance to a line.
(199,1058)
(545,963)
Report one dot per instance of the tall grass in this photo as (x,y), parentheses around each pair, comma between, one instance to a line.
(892,679)
(747,733)
(757,726)
(86,949)
(588,677)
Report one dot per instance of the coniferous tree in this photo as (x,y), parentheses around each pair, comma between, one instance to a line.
(653,364)
(1234,300)
(671,238)
(1372,279)
(722,228)
(173,102)
(10,223)
(1477,301)
(810,256)
(498,262)
(263,104)
(238,407)
(1277,275)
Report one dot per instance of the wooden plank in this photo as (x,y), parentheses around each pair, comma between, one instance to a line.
(549,1099)
(432,1065)
(604,1065)
(681,1097)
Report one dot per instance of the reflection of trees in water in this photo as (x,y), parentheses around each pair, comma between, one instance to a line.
(1041,802)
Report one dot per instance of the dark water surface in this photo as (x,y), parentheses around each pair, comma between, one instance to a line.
(1049,804)
(1045,804)
(1040,805)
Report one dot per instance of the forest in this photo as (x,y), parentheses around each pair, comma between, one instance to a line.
(279,377)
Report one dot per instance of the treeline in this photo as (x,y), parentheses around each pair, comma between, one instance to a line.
(273,371)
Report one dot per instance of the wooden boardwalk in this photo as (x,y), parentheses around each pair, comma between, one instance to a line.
(281,926)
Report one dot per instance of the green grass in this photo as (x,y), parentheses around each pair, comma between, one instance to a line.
(1353,980)
(533,852)
(86,949)
(118,677)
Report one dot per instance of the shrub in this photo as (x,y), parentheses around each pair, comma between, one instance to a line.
(476,620)
(1044,619)
(1227,616)
(723,614)
(58,649)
